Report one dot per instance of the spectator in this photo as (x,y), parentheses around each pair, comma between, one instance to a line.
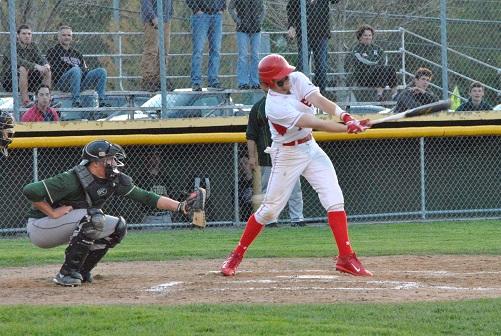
(71,72)
(33,68)
(206,21)
(41,111)
(258,139)
(476,101)
(318,32)
(369,64)
(150,61)
(417,94)
(248,16)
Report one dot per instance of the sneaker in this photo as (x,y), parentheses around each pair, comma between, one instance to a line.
(76,104)
(350,264)
(215,87)
(71,280)
(196,87)
(243,87)
(87,277)
(102,103)
(230,265)
(255,87)
(300,223)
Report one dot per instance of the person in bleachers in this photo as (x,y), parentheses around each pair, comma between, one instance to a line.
(150,60)
(33,68)
(70,72)
(206,23)
(476,101)
(248,16)
(418,93)
(318,35)
(41,111)
(368,62)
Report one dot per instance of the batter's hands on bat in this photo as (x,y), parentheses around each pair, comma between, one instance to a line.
(354,125)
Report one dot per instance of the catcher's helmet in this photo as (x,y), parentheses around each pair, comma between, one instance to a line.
(98,150)
(274,67)
(6,131)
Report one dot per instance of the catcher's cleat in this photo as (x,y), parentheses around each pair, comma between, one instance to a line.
(230,265)
(87,277)
(71,280)
(350,264)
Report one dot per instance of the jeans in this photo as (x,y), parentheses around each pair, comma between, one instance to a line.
(319,49)
(202,26)
(296,199)
(72,81)
(247,73)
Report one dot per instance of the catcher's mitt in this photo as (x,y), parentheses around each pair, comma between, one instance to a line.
(194,206)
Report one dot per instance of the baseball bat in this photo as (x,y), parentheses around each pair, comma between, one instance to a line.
(441,105)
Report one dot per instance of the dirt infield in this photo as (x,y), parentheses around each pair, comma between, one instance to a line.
(275,280)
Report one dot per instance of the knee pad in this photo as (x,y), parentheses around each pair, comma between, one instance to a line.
(92,225)
(336,207)
(118,235)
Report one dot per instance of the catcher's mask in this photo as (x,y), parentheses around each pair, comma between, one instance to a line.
(274,67)
(7,131)
(104,151)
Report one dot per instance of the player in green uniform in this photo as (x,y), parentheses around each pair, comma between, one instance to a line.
(67,208)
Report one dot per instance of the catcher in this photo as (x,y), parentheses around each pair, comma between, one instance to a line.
(7,131)
(67,208)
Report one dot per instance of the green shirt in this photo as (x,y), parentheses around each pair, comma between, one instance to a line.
(367,55)
(65,189)
(258,130)
(27,57)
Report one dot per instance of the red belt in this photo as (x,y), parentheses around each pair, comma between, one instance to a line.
(298,142)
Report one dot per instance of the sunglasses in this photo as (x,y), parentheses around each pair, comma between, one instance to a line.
(281,82)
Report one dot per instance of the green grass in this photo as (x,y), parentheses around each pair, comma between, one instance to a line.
(468,237)
(469,317)
(475,317)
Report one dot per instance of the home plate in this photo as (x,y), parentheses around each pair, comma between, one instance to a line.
(164,287)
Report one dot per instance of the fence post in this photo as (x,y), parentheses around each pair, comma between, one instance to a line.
(118,42)
(422,165)
(161,55)
(443,42)
(235,185)
(13,57)
(304,39)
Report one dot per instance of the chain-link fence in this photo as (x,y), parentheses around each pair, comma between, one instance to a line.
(117,49)
(382,180)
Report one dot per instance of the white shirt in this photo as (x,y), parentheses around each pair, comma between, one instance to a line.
(284,110)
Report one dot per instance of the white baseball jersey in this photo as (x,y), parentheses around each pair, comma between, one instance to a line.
(284,110)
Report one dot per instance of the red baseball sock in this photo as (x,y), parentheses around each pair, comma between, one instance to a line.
(252,230)
(339,227)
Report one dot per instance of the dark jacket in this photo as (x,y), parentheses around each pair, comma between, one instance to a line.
(27,57)
(258,130)
(206,6)
(149,10)
(409,99)
(62,60)
(469,106)
(247,14)
(318,17)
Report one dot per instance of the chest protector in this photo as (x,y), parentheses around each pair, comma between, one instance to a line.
(97,191)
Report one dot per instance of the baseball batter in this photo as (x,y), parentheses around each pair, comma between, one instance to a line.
(290,107)
(67,208)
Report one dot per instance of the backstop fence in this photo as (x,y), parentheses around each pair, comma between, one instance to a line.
(386,175)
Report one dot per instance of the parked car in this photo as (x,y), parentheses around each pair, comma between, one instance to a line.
(184,103)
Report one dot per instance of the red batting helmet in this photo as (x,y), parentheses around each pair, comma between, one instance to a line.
(274,67)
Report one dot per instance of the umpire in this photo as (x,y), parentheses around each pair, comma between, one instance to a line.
(67,208)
